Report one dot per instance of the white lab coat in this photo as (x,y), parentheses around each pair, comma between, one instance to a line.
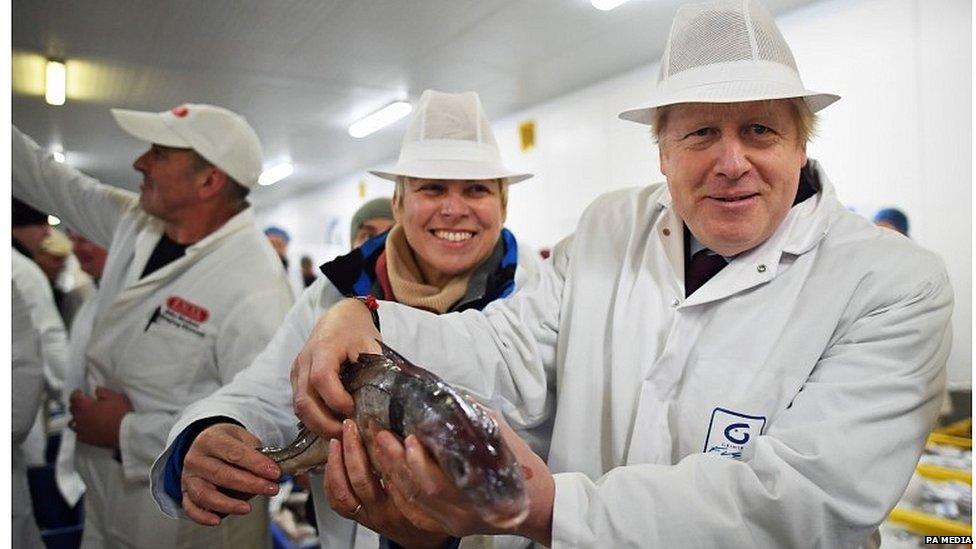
(27,384)
(69,482)
(53,339)
(164,340)
(783,404)
(45,316)
(260,398)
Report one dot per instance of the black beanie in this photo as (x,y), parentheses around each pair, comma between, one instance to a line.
(21,214)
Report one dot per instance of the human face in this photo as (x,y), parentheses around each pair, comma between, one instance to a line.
(732,169)
(452,225)
(168,181)
(370,228)
(279,244)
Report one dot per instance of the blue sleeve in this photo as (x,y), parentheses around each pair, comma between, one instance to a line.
(174,465)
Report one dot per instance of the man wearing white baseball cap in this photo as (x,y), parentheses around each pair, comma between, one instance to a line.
(732,359)
(190,293)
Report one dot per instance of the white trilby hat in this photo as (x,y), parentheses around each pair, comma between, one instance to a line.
(450,138)
(726,51)
(223,137)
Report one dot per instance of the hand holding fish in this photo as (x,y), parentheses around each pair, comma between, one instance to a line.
(462,467)
(423,492)
(320,400)
(354,491)
(223,460)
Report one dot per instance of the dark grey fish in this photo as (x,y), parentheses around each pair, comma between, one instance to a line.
(391,393)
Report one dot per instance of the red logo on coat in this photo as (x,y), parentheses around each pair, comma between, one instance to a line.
(180,111)
(188,310)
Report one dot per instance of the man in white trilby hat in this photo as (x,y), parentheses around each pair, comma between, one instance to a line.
(448,251)
(190,293)
(731,358)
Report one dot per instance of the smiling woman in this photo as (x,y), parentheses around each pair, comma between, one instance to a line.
(448,251)
(451,225)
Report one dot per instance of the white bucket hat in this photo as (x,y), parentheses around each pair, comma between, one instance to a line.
(726,51)
(450,138)
(223,137)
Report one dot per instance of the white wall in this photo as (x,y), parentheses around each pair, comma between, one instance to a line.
(901,135)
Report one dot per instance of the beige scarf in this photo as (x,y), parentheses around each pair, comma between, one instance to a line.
(406,278)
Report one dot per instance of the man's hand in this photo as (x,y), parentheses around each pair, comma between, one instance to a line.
(97,420)
(320,400)
(423,492)
(354,492)
(222,460)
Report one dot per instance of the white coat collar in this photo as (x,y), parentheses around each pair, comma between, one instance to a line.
(803,228)
(147,240)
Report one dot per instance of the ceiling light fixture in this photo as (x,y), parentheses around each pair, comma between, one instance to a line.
(380,119)
(275,174)
(58,155)
(54,82)
(607,5)
(53,220)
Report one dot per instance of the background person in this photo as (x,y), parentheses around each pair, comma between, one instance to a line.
(372,218)
(190,293)
(737,360)
(447,252)
(279,240)
(892,218)
(91,259)
(27,379)
(308,271)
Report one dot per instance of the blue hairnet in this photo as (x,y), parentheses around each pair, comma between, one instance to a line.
(277,231)
(895,217)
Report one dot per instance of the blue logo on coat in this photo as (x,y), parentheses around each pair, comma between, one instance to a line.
(730,433)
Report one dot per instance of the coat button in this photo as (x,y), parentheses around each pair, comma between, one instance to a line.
(761,268)
(674,302)
(666,231)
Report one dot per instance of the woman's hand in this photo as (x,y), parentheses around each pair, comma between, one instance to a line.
(423,492)
(354,492)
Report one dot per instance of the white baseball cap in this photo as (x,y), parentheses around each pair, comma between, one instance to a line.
(223,137)
(726,51)
(450,138)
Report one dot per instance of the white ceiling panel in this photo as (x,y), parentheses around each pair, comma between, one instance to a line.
(301,71)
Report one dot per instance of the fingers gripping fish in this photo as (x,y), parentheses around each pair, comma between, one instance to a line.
(391,393)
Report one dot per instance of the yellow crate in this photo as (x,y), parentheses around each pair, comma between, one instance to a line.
(928,525)
(962,428)
(935,472)
(951,440)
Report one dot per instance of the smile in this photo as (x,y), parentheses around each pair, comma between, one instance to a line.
(735,198)
(453,236)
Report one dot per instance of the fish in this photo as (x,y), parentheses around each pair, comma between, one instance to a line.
(389,392)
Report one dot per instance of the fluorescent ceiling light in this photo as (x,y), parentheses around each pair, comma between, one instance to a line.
(58,156)
(54,83)
(53,220)
(275,174)
(607,5)
(380,119)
